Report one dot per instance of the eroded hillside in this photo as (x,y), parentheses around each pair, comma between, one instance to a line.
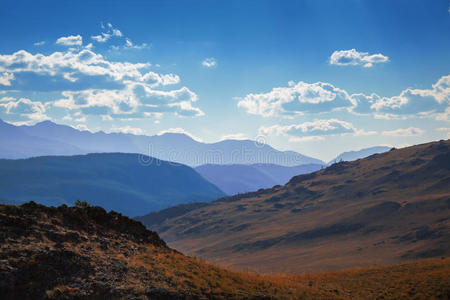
(388,208)
(86,253)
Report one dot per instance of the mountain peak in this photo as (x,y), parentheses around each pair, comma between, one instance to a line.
(48,123)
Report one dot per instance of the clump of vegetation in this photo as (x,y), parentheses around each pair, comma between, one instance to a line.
(82,204)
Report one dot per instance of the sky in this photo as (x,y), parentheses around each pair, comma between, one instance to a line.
(317,77)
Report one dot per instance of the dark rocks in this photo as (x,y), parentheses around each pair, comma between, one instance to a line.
(63,252)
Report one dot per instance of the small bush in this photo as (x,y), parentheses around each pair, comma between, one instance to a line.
(82,204)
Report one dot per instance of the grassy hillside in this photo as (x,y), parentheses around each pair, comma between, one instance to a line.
(127,183)
(385,209)
(86,253)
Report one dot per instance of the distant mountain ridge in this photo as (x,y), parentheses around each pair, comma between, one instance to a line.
(354,155)
(48,138)
(17,143)
(128,183)
(235,179)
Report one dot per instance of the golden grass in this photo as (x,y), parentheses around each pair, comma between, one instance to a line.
(420,280)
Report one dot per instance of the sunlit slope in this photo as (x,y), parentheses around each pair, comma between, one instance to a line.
(384,209)
(86,253)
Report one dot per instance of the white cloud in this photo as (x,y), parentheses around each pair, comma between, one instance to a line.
(82,127)
(185,108)
(180,131)
(160,79)
(81,119)
(135,101)
(234,136)
(101,38)
(297,99)
(24,110)
(116,32)
(95,85)
(105,36)
(72,40)
(423,102)
(300,98)
(128,129)
(112,32)
(314,131)
(39,43)
(7,99)
(6,78)
(312,138)
(355,58)
(130,45)
(84,62)
(209,62)
(411,131)
(362,132)
(314,128)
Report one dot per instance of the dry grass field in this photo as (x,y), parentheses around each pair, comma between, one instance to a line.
(86,253)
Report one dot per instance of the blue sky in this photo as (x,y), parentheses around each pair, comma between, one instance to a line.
(317,77)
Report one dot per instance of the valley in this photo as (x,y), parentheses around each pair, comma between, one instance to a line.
(211,149)
(126,183)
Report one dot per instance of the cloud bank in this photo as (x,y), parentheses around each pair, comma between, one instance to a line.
(92,85)
(320,97)
(315,130)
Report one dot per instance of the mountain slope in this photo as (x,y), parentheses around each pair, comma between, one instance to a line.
(235,179)
(387,208)
(15,143)
(48,138)
(83,139)
(128,183)
(354,155)
(86,253)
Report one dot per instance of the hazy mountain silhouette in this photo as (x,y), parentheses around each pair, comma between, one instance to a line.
(48,138)
(234,179)
(16,143)
(128,183)
(354,155)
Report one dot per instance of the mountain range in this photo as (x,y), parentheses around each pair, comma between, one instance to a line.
(235,179)
(131,184)
(387,208)
(48,138)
